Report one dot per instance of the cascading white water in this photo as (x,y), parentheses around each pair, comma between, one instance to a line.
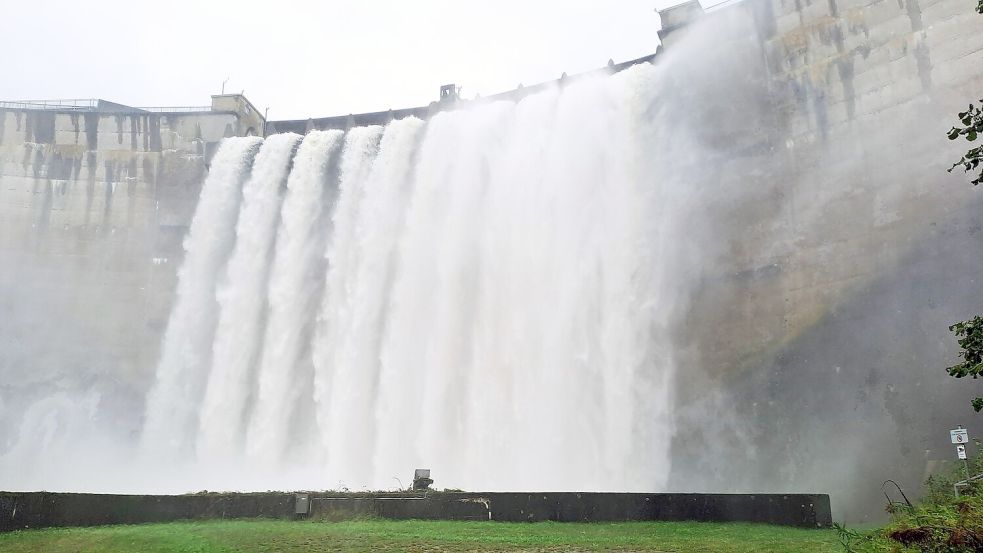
(286,373)
(342,390)
(350,372)
(242,299)
(484,298)
(172,404)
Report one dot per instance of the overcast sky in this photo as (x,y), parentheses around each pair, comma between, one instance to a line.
(308,58)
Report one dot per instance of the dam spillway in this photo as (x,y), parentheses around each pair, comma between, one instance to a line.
(353,325)
(729,270)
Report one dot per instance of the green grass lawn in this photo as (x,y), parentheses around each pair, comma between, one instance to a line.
(415,535)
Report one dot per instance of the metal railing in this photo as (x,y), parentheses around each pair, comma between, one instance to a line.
(966,483)
(175,109)
(75,104)
(93,104)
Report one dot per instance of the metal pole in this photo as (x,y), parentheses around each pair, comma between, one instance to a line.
(965,462)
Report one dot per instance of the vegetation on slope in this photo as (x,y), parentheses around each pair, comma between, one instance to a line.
(941,523)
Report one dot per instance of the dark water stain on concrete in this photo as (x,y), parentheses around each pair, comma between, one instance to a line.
(914,12)
(819,108)
(146,136)
(60,167)
(119,128)
(845,67)
(923,59)
(149,172)
(37,162)
(811,98)
(131,191)
(32,159)
(836,37)
(40,127)
(798,10)
(90,185)
(91,131)
(27,158)
(3,123)
(75,125)
(111,180)
(76,167)
(134,131)
(844,64)
(44,213)
(28,128)
(153,132)
(199,141)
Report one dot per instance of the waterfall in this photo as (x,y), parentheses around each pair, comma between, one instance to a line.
(241,298)
(339,386)
(483,294)
(285,371)
(353,366)
(186,351)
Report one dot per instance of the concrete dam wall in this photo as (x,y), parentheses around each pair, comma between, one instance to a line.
(813,274)
(94,201)
(843,249)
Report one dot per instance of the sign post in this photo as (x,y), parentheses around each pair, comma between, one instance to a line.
(960,437)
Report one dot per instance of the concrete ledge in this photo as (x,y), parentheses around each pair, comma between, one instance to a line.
(23,510)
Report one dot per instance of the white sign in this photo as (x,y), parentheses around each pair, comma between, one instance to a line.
(961,451)
(959,436)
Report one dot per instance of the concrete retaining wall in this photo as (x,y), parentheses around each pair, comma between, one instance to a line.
(41,509)
(805,510)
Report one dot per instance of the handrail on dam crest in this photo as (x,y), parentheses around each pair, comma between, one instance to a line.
(94,104)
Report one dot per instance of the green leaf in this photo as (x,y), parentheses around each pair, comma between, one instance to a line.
(969,336)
